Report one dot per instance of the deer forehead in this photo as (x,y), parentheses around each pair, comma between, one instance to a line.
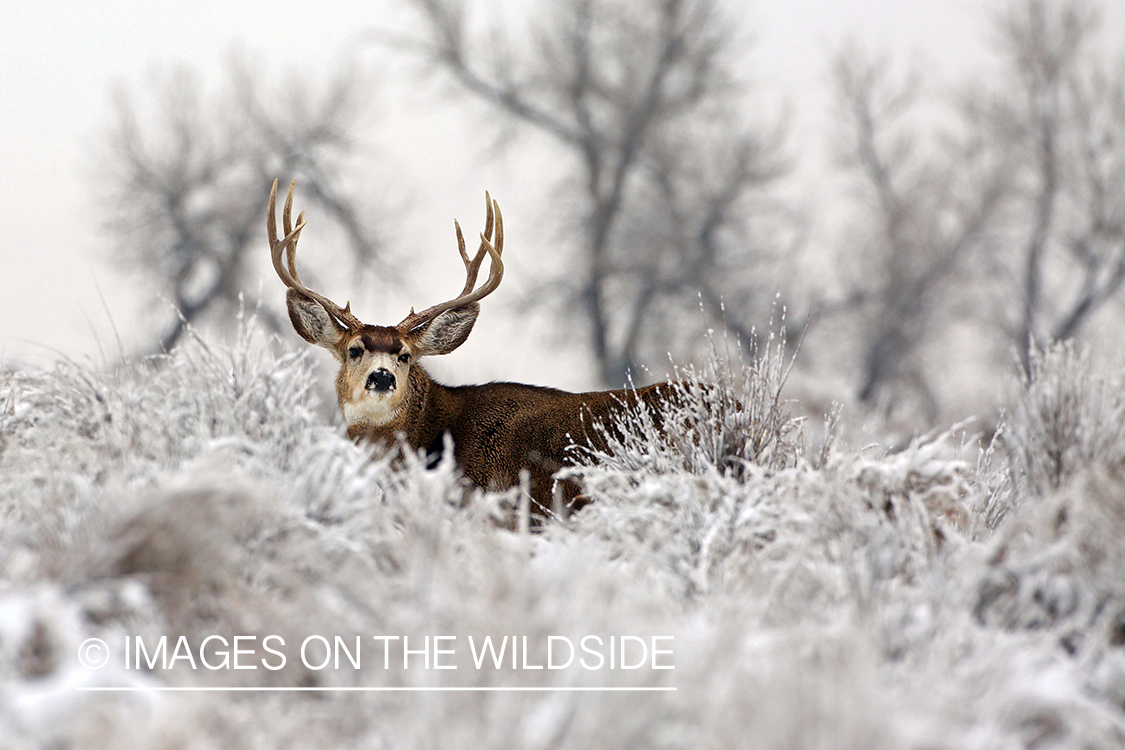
(377,340)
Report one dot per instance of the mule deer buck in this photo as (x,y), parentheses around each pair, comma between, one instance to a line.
(498,430)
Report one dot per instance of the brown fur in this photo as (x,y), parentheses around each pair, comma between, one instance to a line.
(501,429)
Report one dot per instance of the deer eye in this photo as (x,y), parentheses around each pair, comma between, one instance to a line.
(404,357)
(355,352)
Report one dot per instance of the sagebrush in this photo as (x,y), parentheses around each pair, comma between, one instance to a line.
(940,596)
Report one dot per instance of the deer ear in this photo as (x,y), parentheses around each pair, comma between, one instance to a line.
(446,332)
(312,322)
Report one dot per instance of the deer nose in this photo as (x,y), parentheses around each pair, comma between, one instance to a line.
(381,380)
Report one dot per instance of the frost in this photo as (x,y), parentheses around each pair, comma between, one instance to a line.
(938,596)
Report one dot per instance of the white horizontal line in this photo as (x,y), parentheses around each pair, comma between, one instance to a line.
(166,689)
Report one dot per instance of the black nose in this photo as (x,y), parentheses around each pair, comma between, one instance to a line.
(381,380)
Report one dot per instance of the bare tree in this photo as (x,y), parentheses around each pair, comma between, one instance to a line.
(928,201)
(186,182)
(1009,206)
(1059,117)
(672,180)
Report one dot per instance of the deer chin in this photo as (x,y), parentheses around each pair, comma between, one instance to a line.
(371,408)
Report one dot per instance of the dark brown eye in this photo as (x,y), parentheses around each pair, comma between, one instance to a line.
(404,358)
(355,352)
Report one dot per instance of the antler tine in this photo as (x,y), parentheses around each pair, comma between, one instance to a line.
(496,269)
(472,267)
(286,225)
(288,245)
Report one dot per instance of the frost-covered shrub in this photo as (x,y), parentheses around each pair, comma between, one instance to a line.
(67,434)
(1059,565)
(723,418)
(1067,418)
(718,494)
(857,599)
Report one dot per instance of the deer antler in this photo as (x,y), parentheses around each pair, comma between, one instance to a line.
(342,315)
(496,269)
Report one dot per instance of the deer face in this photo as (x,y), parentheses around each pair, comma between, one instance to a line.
(373,384)
(374,374)
(375,361)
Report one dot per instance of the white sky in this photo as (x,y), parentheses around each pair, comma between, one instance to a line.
(59,60)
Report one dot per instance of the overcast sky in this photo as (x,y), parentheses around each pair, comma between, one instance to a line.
(61,59)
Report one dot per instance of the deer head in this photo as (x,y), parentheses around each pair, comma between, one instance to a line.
(376,362)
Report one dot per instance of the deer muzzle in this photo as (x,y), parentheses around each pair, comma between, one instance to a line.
(380,381)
